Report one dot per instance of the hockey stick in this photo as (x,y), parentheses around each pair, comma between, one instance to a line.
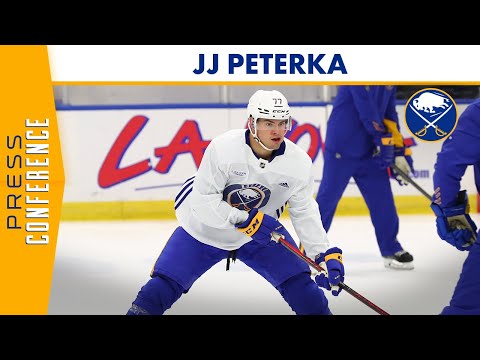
(410,180)
(278,238)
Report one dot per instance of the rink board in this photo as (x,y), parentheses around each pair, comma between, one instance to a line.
(129,163)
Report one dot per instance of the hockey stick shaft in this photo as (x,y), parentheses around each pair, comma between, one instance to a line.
(313,264)
(407,178)
(411,181)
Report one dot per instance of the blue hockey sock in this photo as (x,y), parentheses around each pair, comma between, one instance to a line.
(156,296)
(304,296)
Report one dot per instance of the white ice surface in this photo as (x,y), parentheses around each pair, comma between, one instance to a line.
(100,266)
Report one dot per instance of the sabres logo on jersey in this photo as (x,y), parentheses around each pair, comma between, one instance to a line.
(246,196)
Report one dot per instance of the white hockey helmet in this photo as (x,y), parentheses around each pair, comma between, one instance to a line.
(270,105)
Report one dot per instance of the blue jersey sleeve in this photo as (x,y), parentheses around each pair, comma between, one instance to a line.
(390,110)
(459,151)
(368,109)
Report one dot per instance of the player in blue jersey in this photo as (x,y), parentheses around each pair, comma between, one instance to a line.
(450,204)
(230,208)
(362,142)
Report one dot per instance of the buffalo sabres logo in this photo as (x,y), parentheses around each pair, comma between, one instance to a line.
(431,114)
(247,196)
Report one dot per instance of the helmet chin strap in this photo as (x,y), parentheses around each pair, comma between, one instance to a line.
(257,139)
(261,144)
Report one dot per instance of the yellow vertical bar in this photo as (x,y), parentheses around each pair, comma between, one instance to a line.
(31,179)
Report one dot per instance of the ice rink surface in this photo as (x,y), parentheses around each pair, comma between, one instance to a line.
(100,266)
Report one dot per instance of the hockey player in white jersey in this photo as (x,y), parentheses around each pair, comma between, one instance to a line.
(230,208)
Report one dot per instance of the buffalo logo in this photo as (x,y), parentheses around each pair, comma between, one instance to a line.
(247,196)
(431,114)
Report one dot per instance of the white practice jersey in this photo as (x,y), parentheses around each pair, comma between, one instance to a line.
(231,180)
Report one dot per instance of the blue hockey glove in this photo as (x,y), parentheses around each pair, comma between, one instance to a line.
(403,160)
(454,225)
(332,262)
(259,226)
(384,152)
